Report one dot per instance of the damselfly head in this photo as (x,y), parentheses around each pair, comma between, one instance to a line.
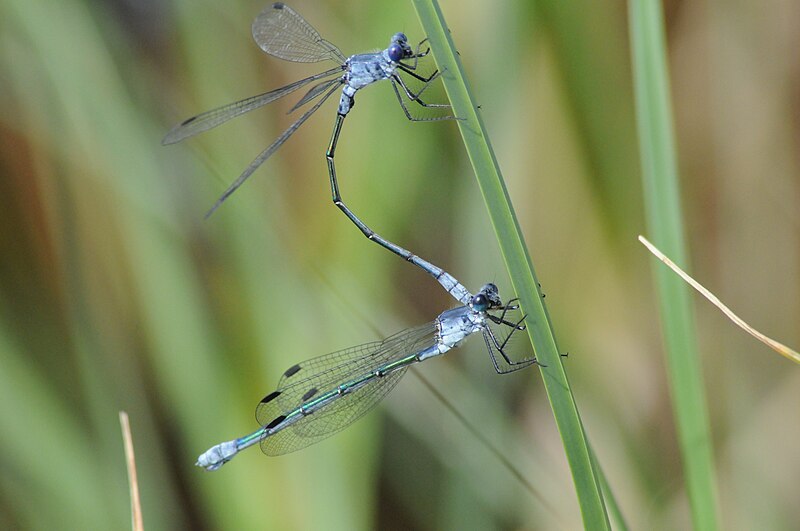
(487,298)
(399,38)
(399,48)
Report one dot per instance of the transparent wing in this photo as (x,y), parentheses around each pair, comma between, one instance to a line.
(327,372)
(209,119)
(315,91)
(267,153)
(310,379)
(339,415)
(336,366)
(280,31)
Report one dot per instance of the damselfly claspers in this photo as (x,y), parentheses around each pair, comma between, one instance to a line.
(281,32)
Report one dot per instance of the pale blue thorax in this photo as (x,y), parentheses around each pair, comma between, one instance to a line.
(361,70)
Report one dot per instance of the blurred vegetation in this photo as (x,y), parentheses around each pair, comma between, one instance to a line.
(115,294)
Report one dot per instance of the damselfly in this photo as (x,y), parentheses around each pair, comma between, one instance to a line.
(281,32)
(323,395)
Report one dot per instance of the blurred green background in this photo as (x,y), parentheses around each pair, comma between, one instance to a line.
(115,294)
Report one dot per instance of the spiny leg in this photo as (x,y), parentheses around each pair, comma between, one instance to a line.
(449,283)
(497,368)
(493,344)
(508,307)
(408,114)
(415,97)
(410,71)
(417,54)
(516,326)
(500,346)
(500,320)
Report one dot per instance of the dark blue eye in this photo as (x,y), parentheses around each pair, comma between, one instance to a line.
(480,303)
(395,52)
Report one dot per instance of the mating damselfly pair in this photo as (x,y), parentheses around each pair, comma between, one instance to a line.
(321,396)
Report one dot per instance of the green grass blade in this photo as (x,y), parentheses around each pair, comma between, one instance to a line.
(614,510)
(663,211)
(518,263)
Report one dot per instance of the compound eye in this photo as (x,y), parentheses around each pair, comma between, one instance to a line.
(480,302)
(395,52)
(400,38)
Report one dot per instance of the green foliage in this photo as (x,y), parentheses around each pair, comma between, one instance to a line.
(115,294)
(665,223)
(519,265)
